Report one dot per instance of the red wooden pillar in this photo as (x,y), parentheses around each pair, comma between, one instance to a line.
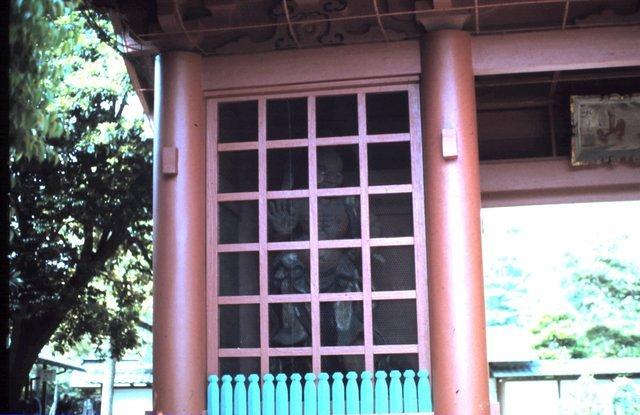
(452,191)
(179,341)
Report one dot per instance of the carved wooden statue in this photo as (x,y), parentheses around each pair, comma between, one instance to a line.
(338,218)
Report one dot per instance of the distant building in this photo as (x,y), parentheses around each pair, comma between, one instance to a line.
(552,386)
(132,386)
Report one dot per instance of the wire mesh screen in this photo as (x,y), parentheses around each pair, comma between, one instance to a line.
(238,222)
(392,215)
(344,363)
(243,365)
(338,217)
(386,315)
(337,115)
(288,272)
(239,326)
(389,163)
(290,325)
(340,270)
(287,169)
(238,171)
(338,166)
(288,220)
(387,112)
(400,362)
(341,323)
(286,118)
(393,268)
(238,273)
(316,247)
(290,364)
(237,121)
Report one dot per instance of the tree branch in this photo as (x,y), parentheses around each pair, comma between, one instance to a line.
(103,239)
(144,325)
(144,252)
(87,247)
(123,104)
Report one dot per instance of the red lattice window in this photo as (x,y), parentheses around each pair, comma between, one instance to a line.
(316,250)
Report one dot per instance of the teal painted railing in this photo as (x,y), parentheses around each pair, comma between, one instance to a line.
(317,397)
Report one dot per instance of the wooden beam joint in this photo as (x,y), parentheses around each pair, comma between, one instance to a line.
(438,21)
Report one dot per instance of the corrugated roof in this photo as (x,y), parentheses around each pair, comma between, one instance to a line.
(128,373)
(58,362)
(574,368)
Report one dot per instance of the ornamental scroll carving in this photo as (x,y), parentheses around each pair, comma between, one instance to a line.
(313,23)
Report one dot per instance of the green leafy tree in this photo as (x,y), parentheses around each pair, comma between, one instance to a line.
(559,337)
(626,400)
(33,38)
(80,226)
(604,296)
(506,282)
(505,289)
(587,397)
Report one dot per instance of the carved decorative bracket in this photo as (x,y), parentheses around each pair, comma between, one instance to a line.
(444,20)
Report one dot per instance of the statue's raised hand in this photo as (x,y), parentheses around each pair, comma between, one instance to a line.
(283,216)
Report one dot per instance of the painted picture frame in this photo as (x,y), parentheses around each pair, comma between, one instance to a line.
(605,129)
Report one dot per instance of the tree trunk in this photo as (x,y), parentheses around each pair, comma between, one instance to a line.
(31,334)
(27,340)
(106,405)
(23,354)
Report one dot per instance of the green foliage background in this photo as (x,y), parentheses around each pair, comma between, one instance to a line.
(81,180)
(604,314)
(563,282)
(34,38)
(569,275)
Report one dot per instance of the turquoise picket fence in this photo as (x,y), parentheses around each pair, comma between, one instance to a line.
(280,395)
